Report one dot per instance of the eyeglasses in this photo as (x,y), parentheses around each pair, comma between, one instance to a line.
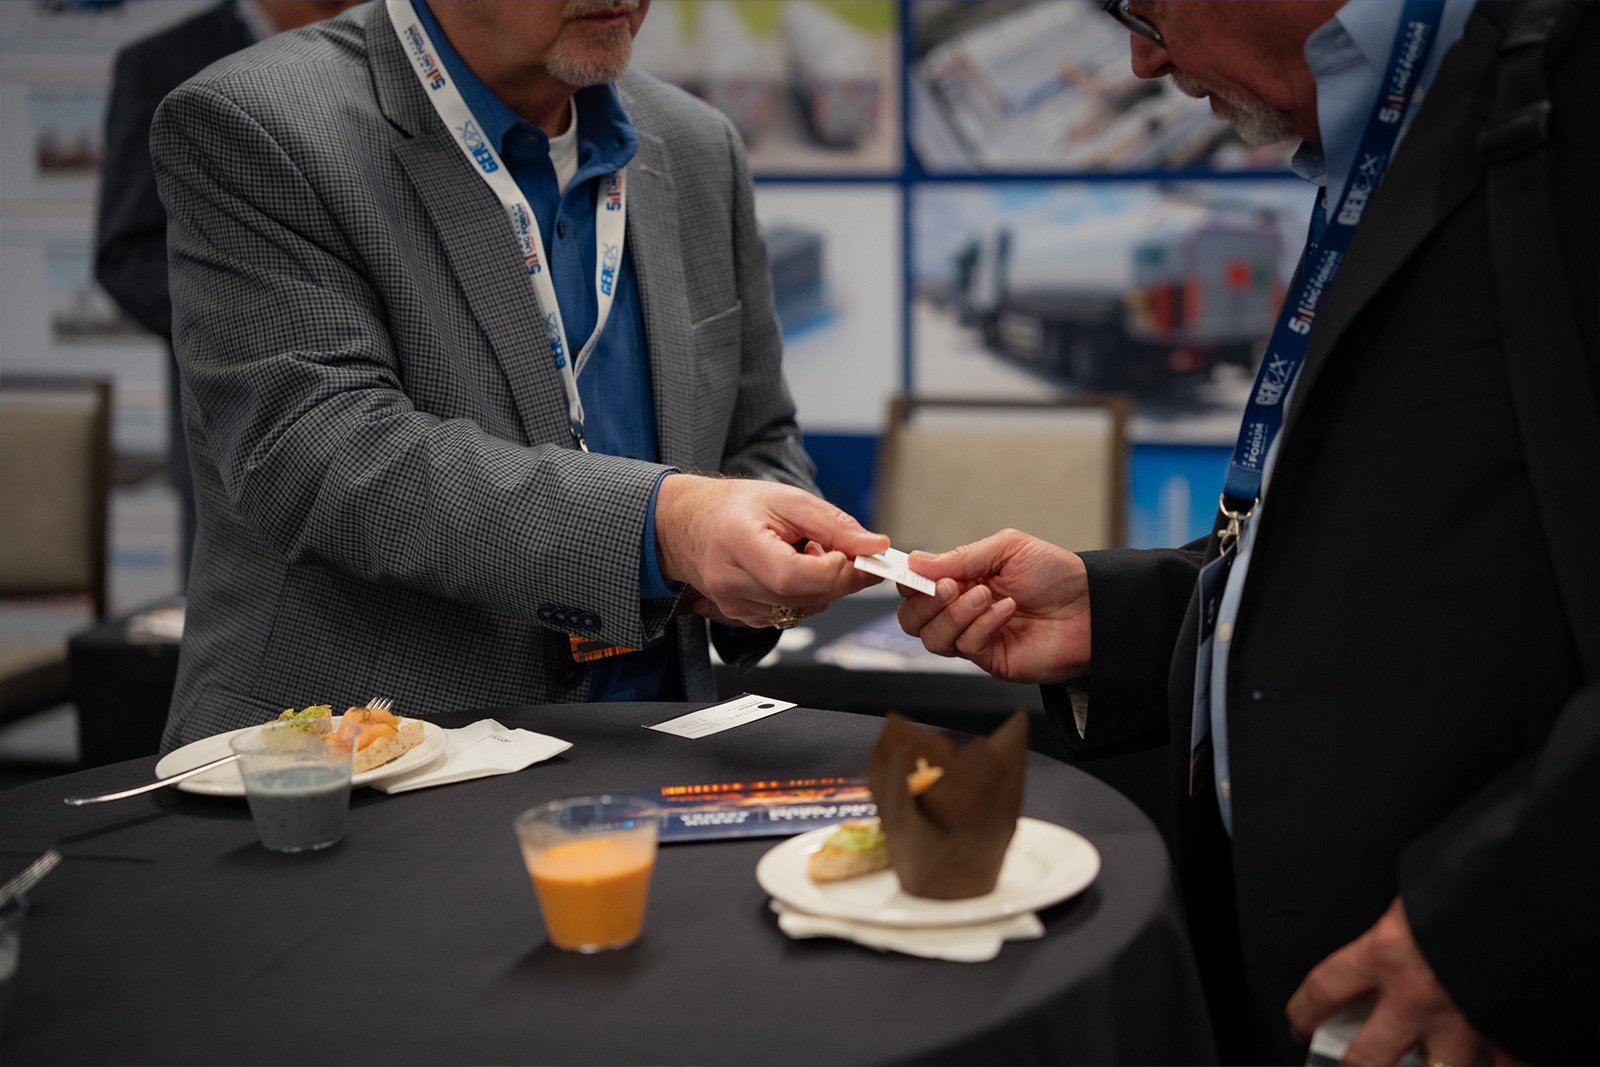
(1136,24)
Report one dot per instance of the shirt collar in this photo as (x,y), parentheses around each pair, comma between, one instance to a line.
(1348,56)
(606,137)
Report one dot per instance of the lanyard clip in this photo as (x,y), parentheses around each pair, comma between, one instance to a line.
(1228,540)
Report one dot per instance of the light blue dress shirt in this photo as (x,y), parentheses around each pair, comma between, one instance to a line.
(1348,56)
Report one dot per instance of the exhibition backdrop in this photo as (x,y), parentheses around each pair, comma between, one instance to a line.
(961,198)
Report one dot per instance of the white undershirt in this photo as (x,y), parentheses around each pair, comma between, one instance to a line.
(564,151)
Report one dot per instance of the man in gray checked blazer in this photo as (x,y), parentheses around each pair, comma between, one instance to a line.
(389,497)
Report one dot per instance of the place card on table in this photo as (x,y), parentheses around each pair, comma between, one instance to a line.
(724,716)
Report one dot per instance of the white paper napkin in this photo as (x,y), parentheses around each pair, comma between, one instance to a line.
(962,944)
(480,750)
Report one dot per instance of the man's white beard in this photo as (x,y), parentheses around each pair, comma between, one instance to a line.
(596,58)
(1256,123)
(599,60)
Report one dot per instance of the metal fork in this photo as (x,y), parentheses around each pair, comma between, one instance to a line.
(376,704)
(30,877)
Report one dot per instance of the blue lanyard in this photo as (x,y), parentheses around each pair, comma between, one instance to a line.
(1286,352)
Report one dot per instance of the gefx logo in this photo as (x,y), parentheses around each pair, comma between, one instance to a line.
(558,346)
(610,255)
(1361,185)
(472,138)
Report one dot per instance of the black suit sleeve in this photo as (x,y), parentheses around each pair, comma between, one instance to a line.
(1502,897)
(131,229)
(1137,602)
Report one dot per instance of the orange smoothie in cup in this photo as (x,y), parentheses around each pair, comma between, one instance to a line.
(592,891)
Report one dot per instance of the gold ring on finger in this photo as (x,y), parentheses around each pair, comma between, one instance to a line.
(783,617)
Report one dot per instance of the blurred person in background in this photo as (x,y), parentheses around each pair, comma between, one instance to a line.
(131,226)
(461,308)
(1378,676)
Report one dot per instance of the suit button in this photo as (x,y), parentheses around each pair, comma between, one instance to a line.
(571,676)
(561,229)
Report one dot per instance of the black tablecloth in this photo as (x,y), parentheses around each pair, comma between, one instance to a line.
(170,936)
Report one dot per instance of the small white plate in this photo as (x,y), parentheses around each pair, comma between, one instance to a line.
(226,782)
(1044,865)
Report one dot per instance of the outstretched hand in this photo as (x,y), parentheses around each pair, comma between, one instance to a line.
(1412,1009)
(733,539)
(1015,605)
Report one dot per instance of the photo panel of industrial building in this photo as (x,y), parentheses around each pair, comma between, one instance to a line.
(813,86)
(1045,85)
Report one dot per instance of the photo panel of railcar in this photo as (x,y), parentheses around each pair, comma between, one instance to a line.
(1045,85)
(1165,291)
(811,85)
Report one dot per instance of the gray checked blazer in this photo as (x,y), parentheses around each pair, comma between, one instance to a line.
(388,500)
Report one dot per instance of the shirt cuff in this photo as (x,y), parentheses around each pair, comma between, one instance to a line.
(1078,696)
(653,585)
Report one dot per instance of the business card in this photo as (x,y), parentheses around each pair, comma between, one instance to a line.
(724,716)
(895,565)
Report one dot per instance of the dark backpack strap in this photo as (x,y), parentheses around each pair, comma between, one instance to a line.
(1551,392)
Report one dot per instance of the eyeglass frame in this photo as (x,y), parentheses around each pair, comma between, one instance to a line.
(1134,24)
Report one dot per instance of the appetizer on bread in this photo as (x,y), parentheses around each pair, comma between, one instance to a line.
(381,736)
(857,847)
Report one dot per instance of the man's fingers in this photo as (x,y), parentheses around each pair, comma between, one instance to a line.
(1453,1045)
(807,516)
(941,633)
(1388,1034)
(916,610)
(975,639)
(1330,985)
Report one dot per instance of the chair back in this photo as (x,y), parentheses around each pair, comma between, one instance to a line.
(55,473)
(954,470)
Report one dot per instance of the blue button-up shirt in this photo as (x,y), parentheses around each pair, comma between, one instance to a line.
(615,386)
(1348,56)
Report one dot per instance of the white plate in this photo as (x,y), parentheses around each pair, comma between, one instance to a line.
(1044,865)
(226,782)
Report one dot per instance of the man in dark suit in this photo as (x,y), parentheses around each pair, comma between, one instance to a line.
(131,229)
(1399,793)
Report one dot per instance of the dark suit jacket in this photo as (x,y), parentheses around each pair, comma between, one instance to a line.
(131,232)
(130,259)
(1407,710)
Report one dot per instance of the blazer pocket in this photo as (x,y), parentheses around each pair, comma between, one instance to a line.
(721,328)
(718,348)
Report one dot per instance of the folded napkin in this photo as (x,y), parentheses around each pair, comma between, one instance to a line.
(962,944)
(485,748)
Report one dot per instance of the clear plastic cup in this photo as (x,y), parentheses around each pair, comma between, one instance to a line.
(297,781)
(591,859)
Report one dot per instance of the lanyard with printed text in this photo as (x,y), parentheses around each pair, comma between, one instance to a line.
(610,226)
(1263,416)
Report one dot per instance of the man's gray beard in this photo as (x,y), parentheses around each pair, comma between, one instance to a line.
(1256,123)
(601,59)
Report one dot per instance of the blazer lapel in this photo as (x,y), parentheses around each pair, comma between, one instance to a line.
(1433,172)
(469,225)
(653,244)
